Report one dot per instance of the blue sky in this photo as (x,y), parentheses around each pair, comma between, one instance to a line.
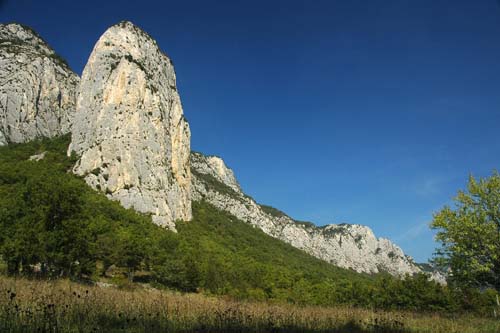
(369,112)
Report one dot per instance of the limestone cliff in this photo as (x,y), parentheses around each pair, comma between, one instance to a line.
(133,142)
(129,127)
(344,245)
(37,88)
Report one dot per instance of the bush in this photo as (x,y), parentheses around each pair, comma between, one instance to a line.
(54,225)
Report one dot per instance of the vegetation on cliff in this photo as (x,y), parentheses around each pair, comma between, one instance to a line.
(54,225)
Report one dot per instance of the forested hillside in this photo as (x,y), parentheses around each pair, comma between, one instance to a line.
(54,225)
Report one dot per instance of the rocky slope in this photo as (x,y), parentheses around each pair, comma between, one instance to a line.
(37,88)
(134,143)
(344,245)
(129,126)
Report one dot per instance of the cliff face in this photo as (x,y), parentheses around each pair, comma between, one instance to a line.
(129,127)
(214,166)
(37,88)
(344,245)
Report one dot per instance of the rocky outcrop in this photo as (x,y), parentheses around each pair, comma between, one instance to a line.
(214,166)
(38,157)
(434,272)
(133,142)
(37,88)
(129,127)
(344,245)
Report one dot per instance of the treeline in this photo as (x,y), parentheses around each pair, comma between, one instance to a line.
(53,225)
(233,258)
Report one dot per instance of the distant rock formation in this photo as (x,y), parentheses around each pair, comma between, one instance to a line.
(133,142)
(129,127)
(214,166)
(436,274)
(344,245)
(37,88)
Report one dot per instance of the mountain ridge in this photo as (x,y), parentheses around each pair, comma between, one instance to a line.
(129,126)
(345,245)
(133,143)
(37,87)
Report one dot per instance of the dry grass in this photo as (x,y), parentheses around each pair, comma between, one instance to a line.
(63,306)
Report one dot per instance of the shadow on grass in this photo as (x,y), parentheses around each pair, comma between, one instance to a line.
(113,324)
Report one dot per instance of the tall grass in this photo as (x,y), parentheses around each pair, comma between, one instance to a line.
(63,306)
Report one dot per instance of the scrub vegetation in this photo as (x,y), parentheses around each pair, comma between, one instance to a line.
(63,306)
(216,274)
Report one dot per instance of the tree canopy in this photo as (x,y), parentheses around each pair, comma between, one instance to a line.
(52,224)
(469,234)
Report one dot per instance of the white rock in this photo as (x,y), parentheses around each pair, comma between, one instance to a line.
(344,245)
(129,127)
(438,277)
(38,157)
(37,89)
(216,167)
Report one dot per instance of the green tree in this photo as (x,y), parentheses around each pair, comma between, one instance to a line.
(130,252)
(470,235)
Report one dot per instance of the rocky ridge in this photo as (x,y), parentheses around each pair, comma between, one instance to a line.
(37,88)
(345,245)
(129,127)
(134,143)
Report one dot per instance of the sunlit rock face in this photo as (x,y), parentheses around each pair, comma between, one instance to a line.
(129,127)
(214,166)
(344,245)
(37,88)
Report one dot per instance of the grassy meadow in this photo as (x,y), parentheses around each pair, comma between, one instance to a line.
(217,274)
(64,306)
